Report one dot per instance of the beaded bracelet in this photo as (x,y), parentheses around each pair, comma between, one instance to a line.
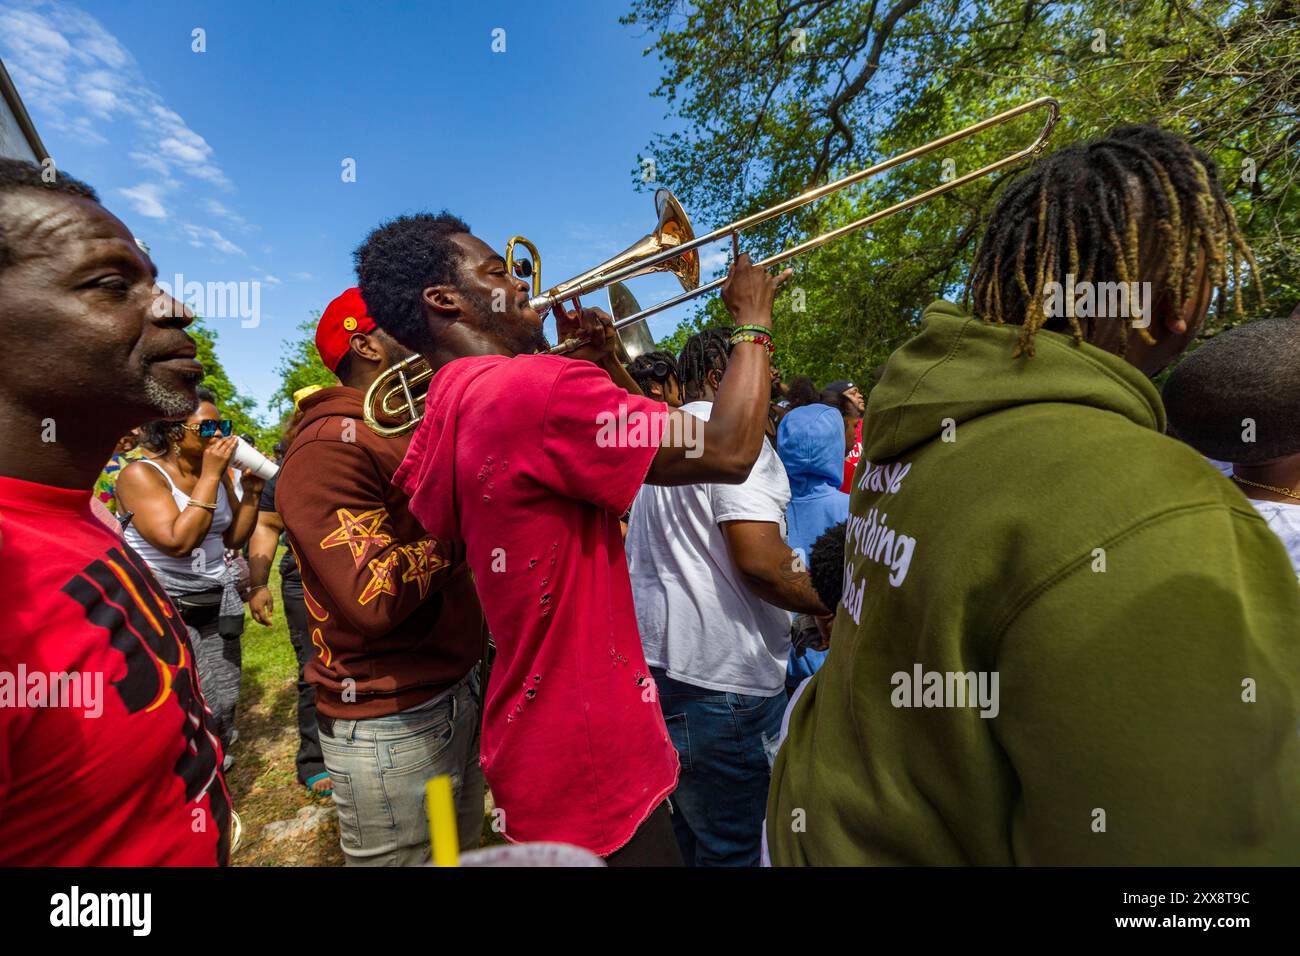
(760,339)
(749,334)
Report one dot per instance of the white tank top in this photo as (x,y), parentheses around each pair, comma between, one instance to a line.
(206,574)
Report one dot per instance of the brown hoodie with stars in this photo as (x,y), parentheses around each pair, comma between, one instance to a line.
(391,613)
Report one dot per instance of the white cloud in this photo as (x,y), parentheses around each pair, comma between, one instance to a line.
(146,199)
(301,276)
(218,209)
(80,76)
(205,236)
(713,259)
(103,102)
(151,162)
(270,279)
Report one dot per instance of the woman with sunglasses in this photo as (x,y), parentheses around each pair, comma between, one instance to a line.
(185,513)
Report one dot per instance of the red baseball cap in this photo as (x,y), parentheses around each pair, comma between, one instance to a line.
(342,317)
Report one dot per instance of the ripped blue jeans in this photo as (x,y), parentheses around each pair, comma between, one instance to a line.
(726,743)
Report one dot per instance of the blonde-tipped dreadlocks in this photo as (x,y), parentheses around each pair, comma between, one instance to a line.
(1078,210)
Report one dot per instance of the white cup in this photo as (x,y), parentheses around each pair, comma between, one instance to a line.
(249,459)
(530,855)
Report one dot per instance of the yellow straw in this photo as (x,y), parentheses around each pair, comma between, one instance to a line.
(442,822)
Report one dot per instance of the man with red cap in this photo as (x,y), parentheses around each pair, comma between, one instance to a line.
(395,625)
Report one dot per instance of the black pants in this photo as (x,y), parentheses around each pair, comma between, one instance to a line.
(653,844)
(310,761)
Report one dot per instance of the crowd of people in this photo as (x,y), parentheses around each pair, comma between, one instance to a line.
(1011,606)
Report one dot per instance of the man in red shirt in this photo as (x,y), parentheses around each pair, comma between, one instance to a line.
(531,460)
(107,753)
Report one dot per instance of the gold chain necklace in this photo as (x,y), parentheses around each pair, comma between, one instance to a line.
(1274,488)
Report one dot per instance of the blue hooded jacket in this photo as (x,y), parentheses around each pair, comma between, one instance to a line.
(810,442)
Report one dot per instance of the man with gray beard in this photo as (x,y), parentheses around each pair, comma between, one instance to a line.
(93,350)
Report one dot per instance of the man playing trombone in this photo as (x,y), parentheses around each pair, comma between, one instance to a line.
(514,457)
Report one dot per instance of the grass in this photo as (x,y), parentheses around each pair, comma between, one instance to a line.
(263,782)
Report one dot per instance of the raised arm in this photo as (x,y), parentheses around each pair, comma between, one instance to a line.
(724,448)
(245,509)
(173,531)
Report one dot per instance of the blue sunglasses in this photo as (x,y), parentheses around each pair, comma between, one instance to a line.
(211,426)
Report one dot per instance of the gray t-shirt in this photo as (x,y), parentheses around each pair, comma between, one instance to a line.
(698,620)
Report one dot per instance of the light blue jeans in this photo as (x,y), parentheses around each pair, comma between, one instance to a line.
(379,767)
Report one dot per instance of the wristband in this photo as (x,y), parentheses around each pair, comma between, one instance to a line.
(763,340)
(760,329)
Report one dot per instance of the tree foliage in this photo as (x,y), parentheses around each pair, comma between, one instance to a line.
(240,409)
(300,366)
(768,111)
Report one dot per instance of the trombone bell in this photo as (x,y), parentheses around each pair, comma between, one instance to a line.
(672,229)
(633,340)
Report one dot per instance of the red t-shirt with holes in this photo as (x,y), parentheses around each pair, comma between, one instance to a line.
(531,461)
(107,757)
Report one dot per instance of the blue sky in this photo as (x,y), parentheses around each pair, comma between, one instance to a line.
(228,163)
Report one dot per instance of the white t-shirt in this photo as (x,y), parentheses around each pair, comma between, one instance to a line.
(1284,519)
(698,619)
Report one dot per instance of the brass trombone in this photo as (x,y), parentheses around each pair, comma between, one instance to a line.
(673,247)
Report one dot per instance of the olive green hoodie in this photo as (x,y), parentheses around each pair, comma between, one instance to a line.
(1128,625)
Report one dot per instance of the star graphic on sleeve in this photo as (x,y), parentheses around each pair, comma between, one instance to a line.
(422,562)
(359,532)
(381,578)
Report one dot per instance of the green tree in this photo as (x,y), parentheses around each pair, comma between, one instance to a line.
(776,96)
(300,366)
(240,409)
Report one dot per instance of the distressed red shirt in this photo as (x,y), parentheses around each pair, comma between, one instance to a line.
(531,461)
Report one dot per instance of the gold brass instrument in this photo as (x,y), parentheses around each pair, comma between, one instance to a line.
(634,338)
(673,247)
(397,397)
(670,247)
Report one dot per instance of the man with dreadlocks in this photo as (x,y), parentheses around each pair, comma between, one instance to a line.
(655,373)
(713,580)
(1064,637)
